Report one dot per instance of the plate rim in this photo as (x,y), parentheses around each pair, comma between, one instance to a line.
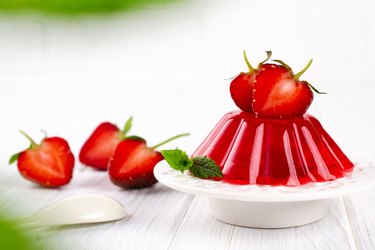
(163,172)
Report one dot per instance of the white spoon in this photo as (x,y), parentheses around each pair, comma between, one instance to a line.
(76,209)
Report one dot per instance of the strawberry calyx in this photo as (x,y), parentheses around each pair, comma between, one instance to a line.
(128,124)
(14,158)
(135,137)
(250,67)
(126,129)
(314,89)
(169,140)
(269,54)
(123,133)
(299,74)
(284,65)
(141,139)
(33,145)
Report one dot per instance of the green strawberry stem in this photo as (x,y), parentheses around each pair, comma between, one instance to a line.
(269,54)
(33,144)
(298,75)
(45,133)
(251,69)
(170,139)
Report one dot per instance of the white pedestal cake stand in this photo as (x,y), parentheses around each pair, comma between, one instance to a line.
(263,206)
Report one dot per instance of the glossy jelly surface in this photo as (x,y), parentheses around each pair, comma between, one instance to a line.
(289,152)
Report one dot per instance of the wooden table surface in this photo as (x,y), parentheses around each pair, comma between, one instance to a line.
(168,73)
(161,218)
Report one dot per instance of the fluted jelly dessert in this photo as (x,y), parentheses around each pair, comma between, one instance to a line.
(291,151)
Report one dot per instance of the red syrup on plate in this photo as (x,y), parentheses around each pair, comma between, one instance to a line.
(266,151)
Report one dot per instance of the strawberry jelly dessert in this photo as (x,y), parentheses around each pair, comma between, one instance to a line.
(272,141)
(291,152)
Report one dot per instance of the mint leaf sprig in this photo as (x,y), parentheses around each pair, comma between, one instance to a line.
(199,166)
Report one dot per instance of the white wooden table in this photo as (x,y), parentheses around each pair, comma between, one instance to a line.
(68,76)
(161,218)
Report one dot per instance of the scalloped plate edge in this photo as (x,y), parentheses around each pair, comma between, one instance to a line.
(363,177)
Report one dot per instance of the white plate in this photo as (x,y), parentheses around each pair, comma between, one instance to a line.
(264,206)
(363,177)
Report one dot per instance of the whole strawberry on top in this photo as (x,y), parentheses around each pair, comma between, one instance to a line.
(132,165)
(100,146)
(49,163)
(275,91)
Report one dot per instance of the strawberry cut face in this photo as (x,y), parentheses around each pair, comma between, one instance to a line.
(49,164)
(278,94)
(133,163)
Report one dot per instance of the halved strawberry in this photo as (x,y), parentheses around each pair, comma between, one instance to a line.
(278,92)
(132,165)
(49,163)
(242,87)
(100,146)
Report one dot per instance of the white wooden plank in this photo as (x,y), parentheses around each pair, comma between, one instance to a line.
(332,232)
(360,208)
(155,213)
(151,224)
(201,231)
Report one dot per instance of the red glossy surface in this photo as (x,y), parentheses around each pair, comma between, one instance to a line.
(288,152)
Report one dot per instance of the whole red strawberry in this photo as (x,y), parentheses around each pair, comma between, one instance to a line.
(49,163)
(242,87)
(100,146)
(132,165)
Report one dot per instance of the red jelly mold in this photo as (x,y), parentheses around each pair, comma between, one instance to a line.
(290,152)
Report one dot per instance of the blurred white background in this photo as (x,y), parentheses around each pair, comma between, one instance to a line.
(167,67)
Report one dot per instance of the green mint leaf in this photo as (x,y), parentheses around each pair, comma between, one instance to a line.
(177,159)
(128,126)
(204,167)
(14,158)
